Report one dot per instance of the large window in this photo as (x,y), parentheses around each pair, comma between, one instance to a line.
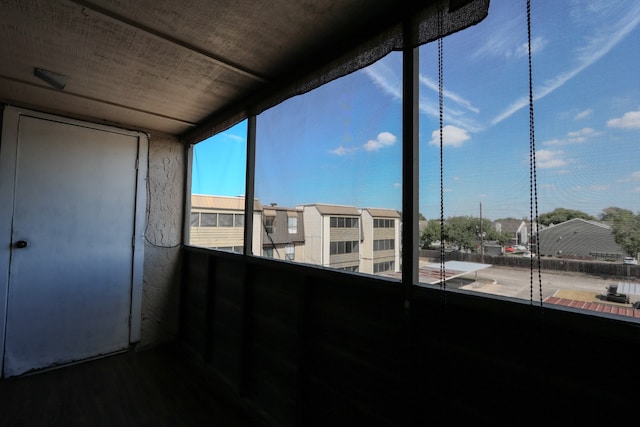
(217,191)
(529,184)
(584,188)
(331,153)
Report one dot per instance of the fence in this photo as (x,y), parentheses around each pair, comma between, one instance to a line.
(596,268)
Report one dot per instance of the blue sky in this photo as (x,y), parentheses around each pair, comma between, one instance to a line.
(342,142)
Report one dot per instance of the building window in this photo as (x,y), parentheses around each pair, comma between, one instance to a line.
(225,220)
(290,253)
(383,245)
(270,224)
(267,252)
(293,225)
(383,267)
(208,219)
(195,219)
(383,223)
(338,248)
(343,222)
(238,220)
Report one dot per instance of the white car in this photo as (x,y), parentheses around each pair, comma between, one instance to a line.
(630,261)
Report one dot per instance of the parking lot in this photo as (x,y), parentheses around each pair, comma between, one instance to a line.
(517,283)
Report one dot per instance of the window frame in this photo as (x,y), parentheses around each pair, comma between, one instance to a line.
(290,252)
(270,224)
(292,224)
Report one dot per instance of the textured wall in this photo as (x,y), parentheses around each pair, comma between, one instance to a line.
(163,234)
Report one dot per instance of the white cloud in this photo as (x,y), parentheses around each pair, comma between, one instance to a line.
(391,84)
(575,137)
(384,139)
(397,185)
(537,45)
(595,48)
(629,120)
(592,188)
(341,151)
(458,99)
(584,114)
(634,176)
(385,79)
(547,159)
(451,136)
(233,137)
(501,41)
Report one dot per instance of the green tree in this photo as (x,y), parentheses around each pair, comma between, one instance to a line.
(561,215)
(430,234)
(463,231)
(610,213)
(626,228)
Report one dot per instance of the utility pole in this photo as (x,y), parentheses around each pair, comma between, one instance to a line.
(481,236)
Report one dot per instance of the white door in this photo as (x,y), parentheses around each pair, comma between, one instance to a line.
(71,263)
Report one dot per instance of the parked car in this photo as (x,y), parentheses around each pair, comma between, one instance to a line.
(509,249)
(630,261)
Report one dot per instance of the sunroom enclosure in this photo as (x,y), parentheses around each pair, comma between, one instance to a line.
(289,342)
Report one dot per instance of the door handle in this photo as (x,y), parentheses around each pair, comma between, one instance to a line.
(20,244)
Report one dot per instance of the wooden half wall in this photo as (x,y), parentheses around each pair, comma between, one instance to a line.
(303,346)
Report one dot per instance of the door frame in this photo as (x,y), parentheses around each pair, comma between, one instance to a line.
(9,127)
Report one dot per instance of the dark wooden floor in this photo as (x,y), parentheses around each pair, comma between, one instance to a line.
(147,388)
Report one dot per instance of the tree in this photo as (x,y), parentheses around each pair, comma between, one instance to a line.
(561,215)
(430,234)
(612,212)
(463,231)
(466,231)
(626,228)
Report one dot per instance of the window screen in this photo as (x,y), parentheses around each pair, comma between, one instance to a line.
(331,153)
(492,209)
(218,183)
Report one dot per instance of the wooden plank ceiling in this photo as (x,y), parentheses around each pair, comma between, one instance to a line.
(167,65)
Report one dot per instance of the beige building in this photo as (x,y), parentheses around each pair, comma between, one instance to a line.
(380,247)
(217,222)
(335,236)
(332,236)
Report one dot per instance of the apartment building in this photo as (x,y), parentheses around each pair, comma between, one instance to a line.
(380,248)
(333,236)
(217,222)
(282,234)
